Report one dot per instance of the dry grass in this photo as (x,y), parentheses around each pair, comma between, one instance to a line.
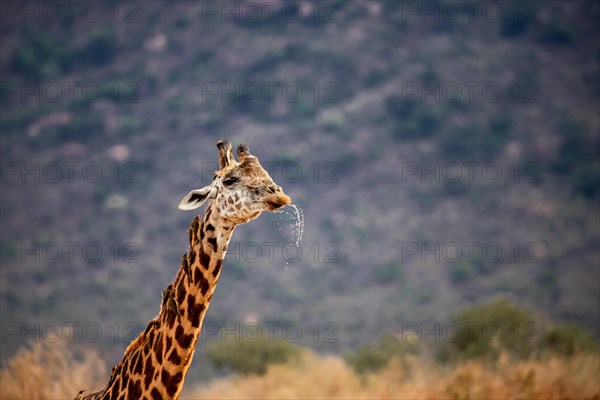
(51,371)
(55,371)
(321,377)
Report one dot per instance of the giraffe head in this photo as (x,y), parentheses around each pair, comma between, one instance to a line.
(240,190)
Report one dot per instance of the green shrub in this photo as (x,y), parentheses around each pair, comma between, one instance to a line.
(490,328)
(44,57)
(476,141)
(389,273)
(578,158)
(367,359)
(461,272)
(414,119)
(100,49)
(568,339)
(372,358)
(83,127)
(250,357)
(129,125)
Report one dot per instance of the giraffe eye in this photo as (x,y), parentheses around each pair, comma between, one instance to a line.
(230,181)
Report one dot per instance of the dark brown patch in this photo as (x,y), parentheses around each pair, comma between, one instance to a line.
(169,343)
(148,371)
(115,389)
(194,311)
(180,291)
(126,365)
(155,394)
(190,236)
(210,227)
(213,241)
(217,268)
(158,349)
(204,287)
(134,390)
(138,364)
(183,340)
(198,276)
(151,336)
(192,256)
(171,382)
(209,298)
(184,264)
(204,260)
(202,234)
(195,223)
(170,317)
(174,357)
(166,379)
(148,327)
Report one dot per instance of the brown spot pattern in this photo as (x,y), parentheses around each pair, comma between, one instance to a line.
(174,357)
(204,287)
(204,260)
(155,394)
(180,291)
(171,382)
(184,341)
(115,389)
(194,311)
(138,364)
(217,268)
(213,241)
(192,256)
(158,349)
(134,390)
(148,371)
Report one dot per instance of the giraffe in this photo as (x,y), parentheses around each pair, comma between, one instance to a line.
(155,364)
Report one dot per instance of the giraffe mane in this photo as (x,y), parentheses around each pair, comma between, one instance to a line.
(139,341)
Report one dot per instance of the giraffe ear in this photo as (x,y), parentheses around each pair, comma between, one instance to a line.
(197,197)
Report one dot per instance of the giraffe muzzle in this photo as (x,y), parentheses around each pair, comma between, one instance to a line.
(277,201)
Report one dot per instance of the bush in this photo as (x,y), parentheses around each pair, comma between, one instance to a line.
(390,273)
(414,119)
(100,49)
(490,328)
(578,157)
(373,358)
(476,141)
(83,128)
(43,58)
(250,357)
(461,272)
(568,339)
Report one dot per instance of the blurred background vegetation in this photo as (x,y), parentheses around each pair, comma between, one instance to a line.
(143,90)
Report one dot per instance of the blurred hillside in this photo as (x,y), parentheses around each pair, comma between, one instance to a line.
(442,152)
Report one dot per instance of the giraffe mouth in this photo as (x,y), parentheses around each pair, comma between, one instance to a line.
(277,202)
(272,206)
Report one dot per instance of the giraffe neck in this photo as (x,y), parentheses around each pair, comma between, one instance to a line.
(155,364)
